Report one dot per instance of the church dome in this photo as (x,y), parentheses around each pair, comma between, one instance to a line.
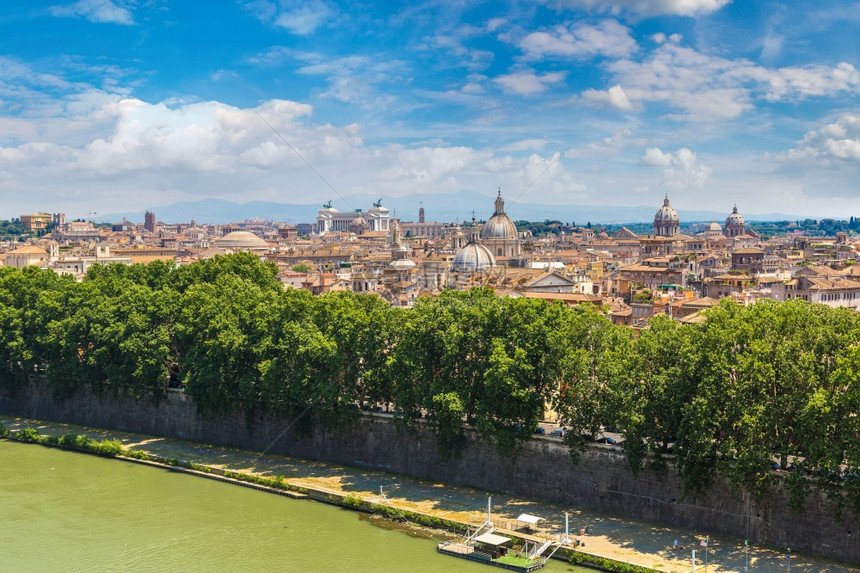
(735,218)
(473,257)
(359,225)
(714,226)
(735,225)
(500,225)
(242,240)
(666,214)
(402,264)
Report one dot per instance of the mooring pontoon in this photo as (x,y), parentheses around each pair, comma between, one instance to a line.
(484,545)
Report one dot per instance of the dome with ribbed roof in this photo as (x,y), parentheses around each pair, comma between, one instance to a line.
(667,223)
(359,225)
(666,213)
(735,224)
(500,225)
(735,217)
(473,257)
(243,241)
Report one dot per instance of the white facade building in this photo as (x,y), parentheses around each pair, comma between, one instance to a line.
(330,219)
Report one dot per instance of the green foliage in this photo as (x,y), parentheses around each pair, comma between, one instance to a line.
(137,454)
(28,435)
(351,501)
(108,448)
(643,296)
(301,268)
(603,564)
(276,483)
(12,230)
(728,397)
(539,229)
(3,431)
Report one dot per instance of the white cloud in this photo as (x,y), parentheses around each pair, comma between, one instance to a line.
(355,79)
(453,43)
(614,98)
(644,7)
(702,87)
(836,141)
(524,145)
(202,148)
(430,165)
(301,17)
(528,82)
(799,82)
(494,24)
(608,38)
(654,156)
(681,169)
(98,11)
(605,147)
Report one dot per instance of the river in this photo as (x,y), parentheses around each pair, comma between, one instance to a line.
(64,511)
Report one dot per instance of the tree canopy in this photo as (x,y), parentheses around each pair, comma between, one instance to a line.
(750,387)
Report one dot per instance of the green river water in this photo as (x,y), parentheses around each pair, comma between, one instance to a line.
(63,511)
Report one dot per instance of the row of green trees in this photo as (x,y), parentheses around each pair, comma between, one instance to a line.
(752,384)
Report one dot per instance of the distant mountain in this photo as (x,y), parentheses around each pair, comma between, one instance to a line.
(445,208)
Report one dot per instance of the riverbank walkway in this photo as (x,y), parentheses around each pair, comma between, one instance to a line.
(623,540)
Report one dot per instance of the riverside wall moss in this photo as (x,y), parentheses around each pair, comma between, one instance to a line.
(541,469)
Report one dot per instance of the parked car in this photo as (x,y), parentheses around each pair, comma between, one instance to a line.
(540,431)
(605,440)
(558,433)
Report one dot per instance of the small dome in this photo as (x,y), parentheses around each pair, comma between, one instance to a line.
(242,240)
(714,226)
(666,213)
(359,225)
(735,218)
(473,257)
(402,264)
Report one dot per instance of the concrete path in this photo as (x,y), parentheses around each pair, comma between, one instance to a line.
(620,539)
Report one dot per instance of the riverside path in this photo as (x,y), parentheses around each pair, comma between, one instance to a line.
(616,538)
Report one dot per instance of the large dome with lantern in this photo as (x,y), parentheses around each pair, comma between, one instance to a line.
(667,223)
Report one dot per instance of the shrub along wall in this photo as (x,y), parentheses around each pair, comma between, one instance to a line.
(541,469)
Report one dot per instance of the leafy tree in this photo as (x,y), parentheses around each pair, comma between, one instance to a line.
(661,383)
(222,330)
(358,326)
(598,356)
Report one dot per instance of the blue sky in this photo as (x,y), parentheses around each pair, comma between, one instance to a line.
(120,105)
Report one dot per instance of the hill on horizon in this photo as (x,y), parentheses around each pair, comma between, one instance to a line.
(445,208)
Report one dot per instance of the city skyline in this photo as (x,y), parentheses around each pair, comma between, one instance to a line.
(118,105)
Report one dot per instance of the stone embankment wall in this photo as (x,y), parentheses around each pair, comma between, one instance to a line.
(541,470)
